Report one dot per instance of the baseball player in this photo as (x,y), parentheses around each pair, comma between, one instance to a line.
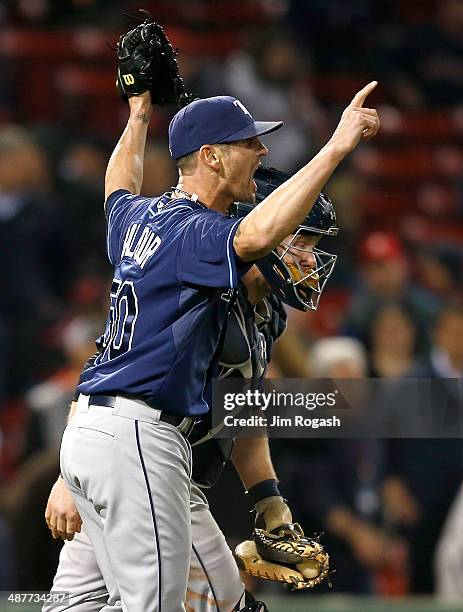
(209,585)
(213,582)
(178,259)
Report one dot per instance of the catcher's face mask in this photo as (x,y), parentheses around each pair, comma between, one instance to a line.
(297,271)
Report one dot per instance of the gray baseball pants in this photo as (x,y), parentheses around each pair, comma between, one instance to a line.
(152,543)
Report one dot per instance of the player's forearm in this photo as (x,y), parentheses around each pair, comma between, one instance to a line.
(284,209)
(251,458)
(125,167)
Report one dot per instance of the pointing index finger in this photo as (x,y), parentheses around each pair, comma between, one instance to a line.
(361,96)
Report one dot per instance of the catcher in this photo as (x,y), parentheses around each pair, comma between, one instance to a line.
(279,549)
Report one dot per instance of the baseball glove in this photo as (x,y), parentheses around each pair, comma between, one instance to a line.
(283,553)
(147,62)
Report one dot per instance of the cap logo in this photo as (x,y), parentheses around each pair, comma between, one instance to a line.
(241,105)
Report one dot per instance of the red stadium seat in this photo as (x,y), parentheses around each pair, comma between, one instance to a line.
(411,163)
(409,127)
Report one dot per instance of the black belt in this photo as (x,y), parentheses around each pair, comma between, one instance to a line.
(184,424)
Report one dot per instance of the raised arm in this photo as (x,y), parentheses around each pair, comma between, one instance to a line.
(284,209)
(125,167)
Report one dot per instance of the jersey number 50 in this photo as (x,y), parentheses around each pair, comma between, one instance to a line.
(123,313)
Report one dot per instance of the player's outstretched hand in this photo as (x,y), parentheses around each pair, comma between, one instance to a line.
(357,123)
(61,514)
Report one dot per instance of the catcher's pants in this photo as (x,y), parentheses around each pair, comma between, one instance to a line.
(151,533)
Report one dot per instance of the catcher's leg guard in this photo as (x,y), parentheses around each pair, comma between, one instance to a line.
(251,605)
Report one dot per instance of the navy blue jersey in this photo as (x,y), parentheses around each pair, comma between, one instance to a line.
(174,268)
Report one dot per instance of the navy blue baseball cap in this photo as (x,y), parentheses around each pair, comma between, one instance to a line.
(212,121)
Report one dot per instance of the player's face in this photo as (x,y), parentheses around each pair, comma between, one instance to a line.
(242,159)
(298,255)
(299,250)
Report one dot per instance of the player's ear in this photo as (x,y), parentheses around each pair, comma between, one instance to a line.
(211,156)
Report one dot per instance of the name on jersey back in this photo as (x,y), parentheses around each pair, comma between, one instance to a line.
(140,246)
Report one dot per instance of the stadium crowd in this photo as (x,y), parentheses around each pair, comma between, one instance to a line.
(393,307)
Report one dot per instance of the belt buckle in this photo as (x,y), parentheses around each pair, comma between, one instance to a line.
(186,426)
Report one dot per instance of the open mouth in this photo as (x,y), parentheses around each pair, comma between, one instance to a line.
(253,172)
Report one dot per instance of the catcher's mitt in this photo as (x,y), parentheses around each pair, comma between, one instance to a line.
(147,63)
(285,555)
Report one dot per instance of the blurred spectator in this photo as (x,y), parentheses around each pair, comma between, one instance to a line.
(333,484)
(83,166)
(24,501)
(384,270)
(392,345)
(35,240)
(429,471)
(425,69)
(89,296)
(344,24)
(338,358)
(446,356)
(20,438)
(275,72)
(345,189)
(51,398)
(160,172)
(6,555)
(81,173)
(289,353)
(384,264)
(3,358)
(440,271)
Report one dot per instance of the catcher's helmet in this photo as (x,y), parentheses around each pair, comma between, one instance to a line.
(281,268)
